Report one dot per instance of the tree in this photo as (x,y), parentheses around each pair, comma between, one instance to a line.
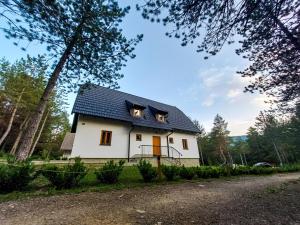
(267,124)
(219,138)
(200,135)
(83,38)
(268,31)
(274,140)
(29,75)
(21,85)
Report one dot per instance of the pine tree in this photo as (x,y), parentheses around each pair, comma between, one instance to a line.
(268,32)
(219,137)
(82,37)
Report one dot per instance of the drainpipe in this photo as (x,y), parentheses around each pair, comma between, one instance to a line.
(131,129)
(168,142)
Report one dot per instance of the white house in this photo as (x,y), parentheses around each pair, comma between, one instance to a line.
(110,124)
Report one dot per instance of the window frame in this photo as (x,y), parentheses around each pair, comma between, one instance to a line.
(140,113)
(104,135)
(185,145)
(162,116)
(171,140)
(138,139)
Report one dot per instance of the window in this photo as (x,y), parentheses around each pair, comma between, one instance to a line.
(171,140)
(138,137)
(105,137)
(160,117)
(137,112)
(184,144)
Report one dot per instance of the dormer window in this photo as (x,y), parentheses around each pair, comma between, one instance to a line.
(137,112)
(161,118)
(135,109)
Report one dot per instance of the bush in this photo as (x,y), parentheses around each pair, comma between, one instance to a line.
(289,168)
(208,172)
(110,172)
(15,176)
(257,170)
(66,177)
(170,172)
(148,172)
(187,172)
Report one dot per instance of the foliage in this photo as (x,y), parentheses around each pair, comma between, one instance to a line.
(267,31)
(187,172)
(83,40)
(208,172)
(170,172)
(213,146)
(148,172)
(66,177)
(27,76)
(110,172)
(274,140)
(87,31)
(15,176)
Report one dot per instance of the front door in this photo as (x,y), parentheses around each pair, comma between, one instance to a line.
(156,145)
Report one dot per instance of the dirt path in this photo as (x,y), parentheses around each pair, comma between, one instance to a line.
(246,200)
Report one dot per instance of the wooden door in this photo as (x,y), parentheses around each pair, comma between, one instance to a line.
(156,145)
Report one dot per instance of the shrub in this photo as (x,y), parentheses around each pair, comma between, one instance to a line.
(66,177)
(187,172)
(289,168)
(15,176)
(148,172)
(110,172)
(202,172)
(208,172)
(257,170)
(170,172)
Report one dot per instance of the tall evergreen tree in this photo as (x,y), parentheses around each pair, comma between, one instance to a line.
(83,37)
(268,31)
(219,137)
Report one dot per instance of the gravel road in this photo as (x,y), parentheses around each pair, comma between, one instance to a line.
(244,200)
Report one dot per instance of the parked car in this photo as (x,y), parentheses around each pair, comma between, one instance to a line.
(263,164)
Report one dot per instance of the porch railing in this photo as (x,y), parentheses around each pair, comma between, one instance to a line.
(165,151)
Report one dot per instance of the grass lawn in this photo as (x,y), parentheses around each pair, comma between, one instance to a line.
(129,178)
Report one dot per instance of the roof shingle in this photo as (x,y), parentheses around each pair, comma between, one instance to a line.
(108,103)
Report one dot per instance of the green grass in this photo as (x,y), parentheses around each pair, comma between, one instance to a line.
(129,178)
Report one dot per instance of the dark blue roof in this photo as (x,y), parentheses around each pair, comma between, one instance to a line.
(108,103)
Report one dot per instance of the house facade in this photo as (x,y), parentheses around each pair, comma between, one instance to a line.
(110,124)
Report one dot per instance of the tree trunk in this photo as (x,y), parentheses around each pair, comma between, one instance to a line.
(21,132)
(222,155)
(246,163)
(13,114)
(26,142)
(230,158)
(201,154)
(39,134)
(277,152)
(242,161)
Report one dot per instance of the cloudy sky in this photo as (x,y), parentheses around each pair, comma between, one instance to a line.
(166,72)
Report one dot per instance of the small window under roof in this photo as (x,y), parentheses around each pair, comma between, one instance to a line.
(135,109)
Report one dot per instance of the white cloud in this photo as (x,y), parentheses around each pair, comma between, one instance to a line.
(209,101)
(221,90)
(233,93)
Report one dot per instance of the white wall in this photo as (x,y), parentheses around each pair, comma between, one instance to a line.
(192,151)
(87,140)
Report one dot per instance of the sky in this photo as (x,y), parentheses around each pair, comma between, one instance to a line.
(166,72)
